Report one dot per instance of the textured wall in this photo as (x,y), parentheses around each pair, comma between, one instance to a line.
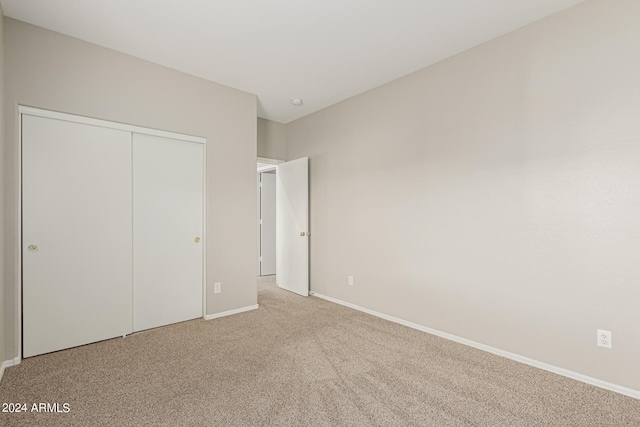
(495,195)
(51,71)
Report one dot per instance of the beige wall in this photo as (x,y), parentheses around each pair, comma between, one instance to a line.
(271,139)
(495,195)
(3,357)
(51,71)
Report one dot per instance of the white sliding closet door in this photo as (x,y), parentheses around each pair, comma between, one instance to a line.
(168,235)
(76,225)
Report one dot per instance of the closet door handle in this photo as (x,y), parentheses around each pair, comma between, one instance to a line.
(32,248)
(197,240)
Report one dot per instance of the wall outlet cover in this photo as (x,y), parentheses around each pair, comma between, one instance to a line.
(604,338)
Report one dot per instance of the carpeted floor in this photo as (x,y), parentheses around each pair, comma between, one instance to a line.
(299,362)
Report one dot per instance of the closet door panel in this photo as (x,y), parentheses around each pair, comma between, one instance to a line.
(168,230)
(77,233)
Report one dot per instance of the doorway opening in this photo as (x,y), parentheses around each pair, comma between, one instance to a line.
(283,222)
(266,219)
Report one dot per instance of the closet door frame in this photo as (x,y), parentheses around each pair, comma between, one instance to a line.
(112,125)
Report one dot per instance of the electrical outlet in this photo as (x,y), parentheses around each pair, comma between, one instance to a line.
(216,287)
(604,338)
(350,280)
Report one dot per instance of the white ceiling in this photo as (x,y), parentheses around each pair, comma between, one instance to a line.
(322,51)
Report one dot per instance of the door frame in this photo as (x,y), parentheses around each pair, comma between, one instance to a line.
(112,125)
(273,163)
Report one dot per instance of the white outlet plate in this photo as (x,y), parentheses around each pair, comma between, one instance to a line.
(604,338)
(216,287)
(350,280)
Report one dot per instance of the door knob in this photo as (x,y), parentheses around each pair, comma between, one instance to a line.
(302,233)
(197,240)
(32,248)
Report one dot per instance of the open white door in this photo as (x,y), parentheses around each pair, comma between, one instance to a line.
(292,226)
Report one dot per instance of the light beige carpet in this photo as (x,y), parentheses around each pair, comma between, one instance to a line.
(299,362)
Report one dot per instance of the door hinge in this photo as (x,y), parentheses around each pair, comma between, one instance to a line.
(260,259)
(260,222)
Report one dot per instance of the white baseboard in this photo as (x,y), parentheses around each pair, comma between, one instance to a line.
(518,358)
(230,312)
(6,364)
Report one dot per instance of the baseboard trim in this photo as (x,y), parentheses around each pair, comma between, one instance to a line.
(230,312)
(518,358)
(8,363)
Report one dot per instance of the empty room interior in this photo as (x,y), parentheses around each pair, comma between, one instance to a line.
(320,213)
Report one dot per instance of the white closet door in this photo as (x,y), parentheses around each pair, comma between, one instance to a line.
(167,231)
(76,225)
